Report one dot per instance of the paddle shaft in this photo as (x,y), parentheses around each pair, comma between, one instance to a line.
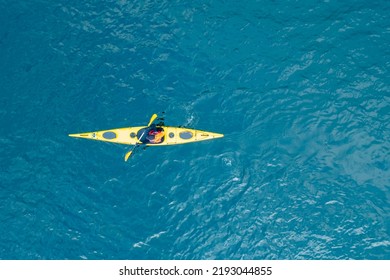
(128,154)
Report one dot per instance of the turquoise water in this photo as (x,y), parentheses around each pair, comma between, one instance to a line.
(299,88)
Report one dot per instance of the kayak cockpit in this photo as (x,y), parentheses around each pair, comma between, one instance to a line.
(151,135)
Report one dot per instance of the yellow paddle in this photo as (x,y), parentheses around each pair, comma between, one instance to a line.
(128,154)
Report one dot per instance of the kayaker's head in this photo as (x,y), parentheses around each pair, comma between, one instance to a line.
(153,132)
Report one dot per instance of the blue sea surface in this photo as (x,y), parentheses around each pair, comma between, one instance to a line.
(301,90)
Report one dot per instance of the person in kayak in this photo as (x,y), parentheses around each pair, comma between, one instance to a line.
(155,136)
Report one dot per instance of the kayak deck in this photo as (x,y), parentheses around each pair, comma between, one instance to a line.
(137,135)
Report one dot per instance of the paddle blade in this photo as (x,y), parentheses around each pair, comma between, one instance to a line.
(152,119)
(128,154)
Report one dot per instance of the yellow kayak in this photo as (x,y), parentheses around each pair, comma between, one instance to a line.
(150,135)
(140,135)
